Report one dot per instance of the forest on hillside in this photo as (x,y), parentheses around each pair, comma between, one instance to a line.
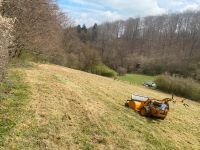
(153,45)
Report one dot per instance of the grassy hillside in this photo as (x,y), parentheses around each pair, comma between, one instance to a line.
(70,109)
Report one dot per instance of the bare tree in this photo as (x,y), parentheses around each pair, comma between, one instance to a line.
(38,26)
(163,38)
(5,41)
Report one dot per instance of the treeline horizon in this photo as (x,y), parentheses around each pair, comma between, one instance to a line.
(150,45)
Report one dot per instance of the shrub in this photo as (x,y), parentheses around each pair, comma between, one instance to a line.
(26,58)
(122,71)
(152,69)
(104,70)
(89,58)
(185,87)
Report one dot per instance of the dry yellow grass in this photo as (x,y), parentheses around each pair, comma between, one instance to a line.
(70,109)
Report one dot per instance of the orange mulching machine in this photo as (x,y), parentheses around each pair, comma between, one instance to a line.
(150,106)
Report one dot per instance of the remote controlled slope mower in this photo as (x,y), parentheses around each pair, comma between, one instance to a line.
(149,107)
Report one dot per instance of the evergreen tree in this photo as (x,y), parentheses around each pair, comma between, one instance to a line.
(79,28)
(94,32)
(84,28)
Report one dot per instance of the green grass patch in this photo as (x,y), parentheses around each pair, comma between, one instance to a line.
(26,58)
(136,78)
(13,95)
(103,70)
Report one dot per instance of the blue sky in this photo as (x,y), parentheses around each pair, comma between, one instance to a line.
(97,11)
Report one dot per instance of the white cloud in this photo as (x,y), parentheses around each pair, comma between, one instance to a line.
(141,7)
(180,5)
(110,16)
(91,11)
(126,7)
(91,17)
(193,7)
(97,11)
(85,19)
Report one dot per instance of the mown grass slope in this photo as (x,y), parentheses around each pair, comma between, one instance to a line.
(70,109)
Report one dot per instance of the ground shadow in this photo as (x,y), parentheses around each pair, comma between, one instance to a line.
(152,119)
